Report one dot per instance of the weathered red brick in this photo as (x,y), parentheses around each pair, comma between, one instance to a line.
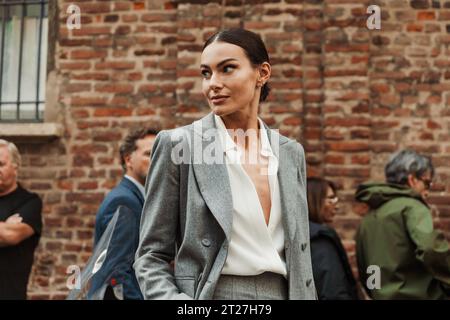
(414,27)
(334,159)
(118,65)
(102,42)
(444,15)
(91,76)
(138,5)
(361,159)
(85,54)
(122,6)
(88,101)
(347,172)
(77,87)
(114,88)
(112,112)
(426,15)
(348,146)
(91,31)
(89,7)
(348,121)
(88,185)
(75,65)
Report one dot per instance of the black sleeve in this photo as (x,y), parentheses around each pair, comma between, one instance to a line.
(329,273)
(360,261)
(31,211)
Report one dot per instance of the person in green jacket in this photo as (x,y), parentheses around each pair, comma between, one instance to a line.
(396,239)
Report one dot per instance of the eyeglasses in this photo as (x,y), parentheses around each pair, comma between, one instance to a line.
(427,183)
(333,199)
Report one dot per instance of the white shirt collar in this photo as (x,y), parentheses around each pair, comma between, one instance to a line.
(229,144)
(137,184)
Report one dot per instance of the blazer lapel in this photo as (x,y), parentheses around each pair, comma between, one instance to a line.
(130,185)
(212,178)
(287,178)
(214,182)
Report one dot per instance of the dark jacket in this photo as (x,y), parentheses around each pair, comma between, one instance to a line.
(117,270)
(332,273)
(397,235)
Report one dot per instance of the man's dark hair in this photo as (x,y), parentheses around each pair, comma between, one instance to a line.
(129,144)
(253,47)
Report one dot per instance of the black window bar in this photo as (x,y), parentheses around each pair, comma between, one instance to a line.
(6,10)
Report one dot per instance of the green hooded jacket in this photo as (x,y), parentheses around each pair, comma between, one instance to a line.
(397,235)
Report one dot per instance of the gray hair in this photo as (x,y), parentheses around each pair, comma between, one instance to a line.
(407,162)
(13,151)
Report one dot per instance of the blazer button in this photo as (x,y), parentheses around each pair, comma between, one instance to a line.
(308,282)
(206,242)
(304,245)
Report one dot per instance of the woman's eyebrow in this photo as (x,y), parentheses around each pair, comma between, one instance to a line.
(219,64)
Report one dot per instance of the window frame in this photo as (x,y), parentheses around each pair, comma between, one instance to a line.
(50,126)
(20,101)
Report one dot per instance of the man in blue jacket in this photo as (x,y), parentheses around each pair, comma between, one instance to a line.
(118,279)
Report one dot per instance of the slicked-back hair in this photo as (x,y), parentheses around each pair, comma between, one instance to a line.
(251,43)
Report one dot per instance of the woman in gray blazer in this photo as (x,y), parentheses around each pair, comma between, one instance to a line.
(226,215)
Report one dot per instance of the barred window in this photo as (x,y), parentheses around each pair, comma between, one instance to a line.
(23,60)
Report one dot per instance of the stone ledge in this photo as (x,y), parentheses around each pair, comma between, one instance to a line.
(30,132)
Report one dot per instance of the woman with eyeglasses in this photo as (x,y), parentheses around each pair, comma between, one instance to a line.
(332,273)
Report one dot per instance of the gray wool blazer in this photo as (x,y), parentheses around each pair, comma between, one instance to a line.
(187,216)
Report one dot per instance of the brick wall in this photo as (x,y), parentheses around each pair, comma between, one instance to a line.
(350,95)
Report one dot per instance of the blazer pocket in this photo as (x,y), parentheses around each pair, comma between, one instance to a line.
(186,285)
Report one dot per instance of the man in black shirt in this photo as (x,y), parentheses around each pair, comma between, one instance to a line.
(20,226)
